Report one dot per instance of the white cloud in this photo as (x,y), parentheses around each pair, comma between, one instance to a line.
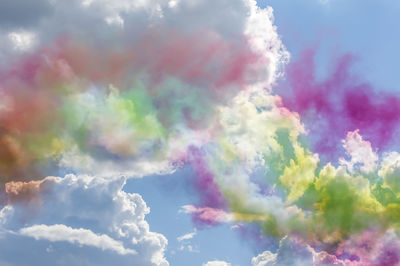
(265,39)
(186,236)
(60,232)
(22,40)
(290,252)
(186,244)
(360,152)
(217,263)
(390,171)
(189,248)
(173,3)
(78,211)
(266,258)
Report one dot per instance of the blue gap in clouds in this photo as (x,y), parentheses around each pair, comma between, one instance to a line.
(367,29)
(165,195)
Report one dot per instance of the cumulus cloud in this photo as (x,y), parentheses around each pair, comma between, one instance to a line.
(264,259)
(162,67)
(390,170)
(361,153)
(290,252)
(77,213)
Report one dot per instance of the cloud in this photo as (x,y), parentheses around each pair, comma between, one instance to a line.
(22,40)
(189,248)
(186,236)
(216,263)
(389,171)
(367,248)
(361,153)
(114,90)
(122,89)
(264,259)
(60,232)
(207,215)
(19,13)
(290,252)
(111,59)
(76,213)
(185,242)
(111,90)
(269,176)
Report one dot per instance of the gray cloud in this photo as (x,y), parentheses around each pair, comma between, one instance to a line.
(22,13)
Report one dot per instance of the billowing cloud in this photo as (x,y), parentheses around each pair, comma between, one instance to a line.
(367,248)
(162,78)
(265,174)
(264,259)
(75,212)
(361,153)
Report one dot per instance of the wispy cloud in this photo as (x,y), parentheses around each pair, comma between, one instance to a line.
(186,236)
(60,232)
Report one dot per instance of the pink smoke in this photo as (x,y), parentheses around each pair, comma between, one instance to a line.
(339,104)
(208,191)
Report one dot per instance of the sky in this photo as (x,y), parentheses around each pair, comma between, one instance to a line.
(214,133)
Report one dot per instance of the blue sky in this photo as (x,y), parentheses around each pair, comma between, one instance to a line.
(364,28)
